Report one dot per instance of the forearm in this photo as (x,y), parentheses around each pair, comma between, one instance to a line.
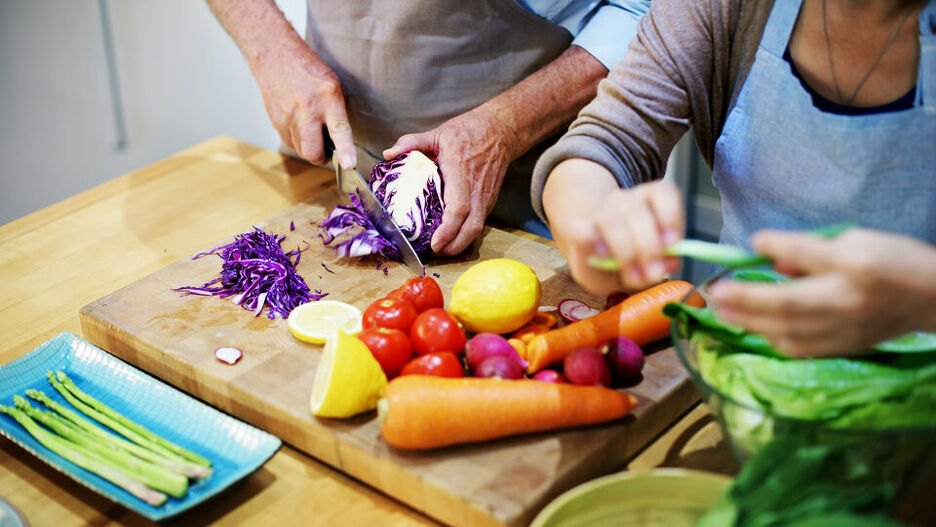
(260,30)
(546,101)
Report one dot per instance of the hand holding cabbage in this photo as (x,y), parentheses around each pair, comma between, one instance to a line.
(473,151)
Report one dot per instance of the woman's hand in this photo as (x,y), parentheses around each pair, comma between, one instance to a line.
(473,151)
(855,290)
(590,216)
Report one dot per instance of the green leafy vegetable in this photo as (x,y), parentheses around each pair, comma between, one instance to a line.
(913,342)
(834,439)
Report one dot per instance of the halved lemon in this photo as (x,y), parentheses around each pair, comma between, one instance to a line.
(348,380)
(314,321)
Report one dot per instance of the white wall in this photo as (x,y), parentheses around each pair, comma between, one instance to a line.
(181,80)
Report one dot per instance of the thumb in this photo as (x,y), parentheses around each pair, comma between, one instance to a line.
(424,142)
(796,251)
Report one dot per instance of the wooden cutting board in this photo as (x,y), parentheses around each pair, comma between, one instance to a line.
(504,482)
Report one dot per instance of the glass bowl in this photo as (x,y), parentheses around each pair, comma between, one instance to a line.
(897,458)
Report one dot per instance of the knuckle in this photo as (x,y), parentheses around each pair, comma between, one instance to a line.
(329,88)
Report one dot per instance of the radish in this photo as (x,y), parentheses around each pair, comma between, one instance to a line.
(587,366)
(572,310)
(228,354)
(500,367)
(485,345)
(625,358)
(615,298)
(548,375)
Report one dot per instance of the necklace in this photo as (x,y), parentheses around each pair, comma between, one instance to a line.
(887,45)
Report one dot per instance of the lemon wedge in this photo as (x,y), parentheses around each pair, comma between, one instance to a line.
(348,381)
(314,321)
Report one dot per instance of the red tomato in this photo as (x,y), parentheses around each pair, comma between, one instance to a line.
(424,293)
(436,330)
(441,364)
(389,313)
(391,348)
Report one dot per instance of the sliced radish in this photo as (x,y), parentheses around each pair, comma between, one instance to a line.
(546,309)
(228,354)
(572,310)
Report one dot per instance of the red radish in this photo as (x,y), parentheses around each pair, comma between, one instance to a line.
(625,357)
(587,366)
(228,354)
(572,310)
(615,298)
(486,345)
(549,376)
(499,366)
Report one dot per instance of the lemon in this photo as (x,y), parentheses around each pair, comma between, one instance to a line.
(314,321)
(495,296)
(349,380)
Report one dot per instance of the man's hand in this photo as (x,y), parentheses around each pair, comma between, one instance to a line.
(855,290)
(473,151)
(300,92)
(302,95)
(590,216)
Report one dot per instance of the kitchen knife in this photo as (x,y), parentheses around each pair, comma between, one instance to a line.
(351,180)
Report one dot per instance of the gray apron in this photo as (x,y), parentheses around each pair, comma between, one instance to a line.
(408,66)
(782,163)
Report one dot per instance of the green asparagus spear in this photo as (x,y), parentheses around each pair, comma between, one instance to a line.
(86,459)
(155,477)
(724,255)
(139,429)
(173,463)
(114,424)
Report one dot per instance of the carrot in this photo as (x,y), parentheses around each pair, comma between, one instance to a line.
(420,412)
(639,317)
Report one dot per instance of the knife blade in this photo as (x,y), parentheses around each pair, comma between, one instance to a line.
(352,181)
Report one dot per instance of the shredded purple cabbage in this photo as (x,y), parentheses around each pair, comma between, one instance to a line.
(368,241)
(414,202)
(256,269)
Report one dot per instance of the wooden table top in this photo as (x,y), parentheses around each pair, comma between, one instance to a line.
(56,260)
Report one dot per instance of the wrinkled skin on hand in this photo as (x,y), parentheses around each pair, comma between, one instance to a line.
(590,216)
(473,151)
(302,95)
(853,291)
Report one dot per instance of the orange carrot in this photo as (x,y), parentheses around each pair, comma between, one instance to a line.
(419,412)
(527,332)
(639,317)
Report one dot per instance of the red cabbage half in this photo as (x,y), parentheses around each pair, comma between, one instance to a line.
(257,270)
(410,188)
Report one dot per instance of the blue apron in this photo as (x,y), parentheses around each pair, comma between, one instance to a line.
(781,163)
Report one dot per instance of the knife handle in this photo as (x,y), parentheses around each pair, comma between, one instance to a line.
(328,145)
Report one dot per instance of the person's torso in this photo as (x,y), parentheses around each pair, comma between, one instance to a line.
(409,66)
(780,162)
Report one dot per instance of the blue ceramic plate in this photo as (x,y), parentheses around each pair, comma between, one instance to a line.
(235,448)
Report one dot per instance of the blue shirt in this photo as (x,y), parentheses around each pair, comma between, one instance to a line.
(604,28)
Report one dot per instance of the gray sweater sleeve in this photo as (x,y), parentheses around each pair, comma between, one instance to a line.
(683,68)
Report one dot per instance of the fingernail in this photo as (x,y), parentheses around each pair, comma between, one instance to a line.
(348,161)
(670,237)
